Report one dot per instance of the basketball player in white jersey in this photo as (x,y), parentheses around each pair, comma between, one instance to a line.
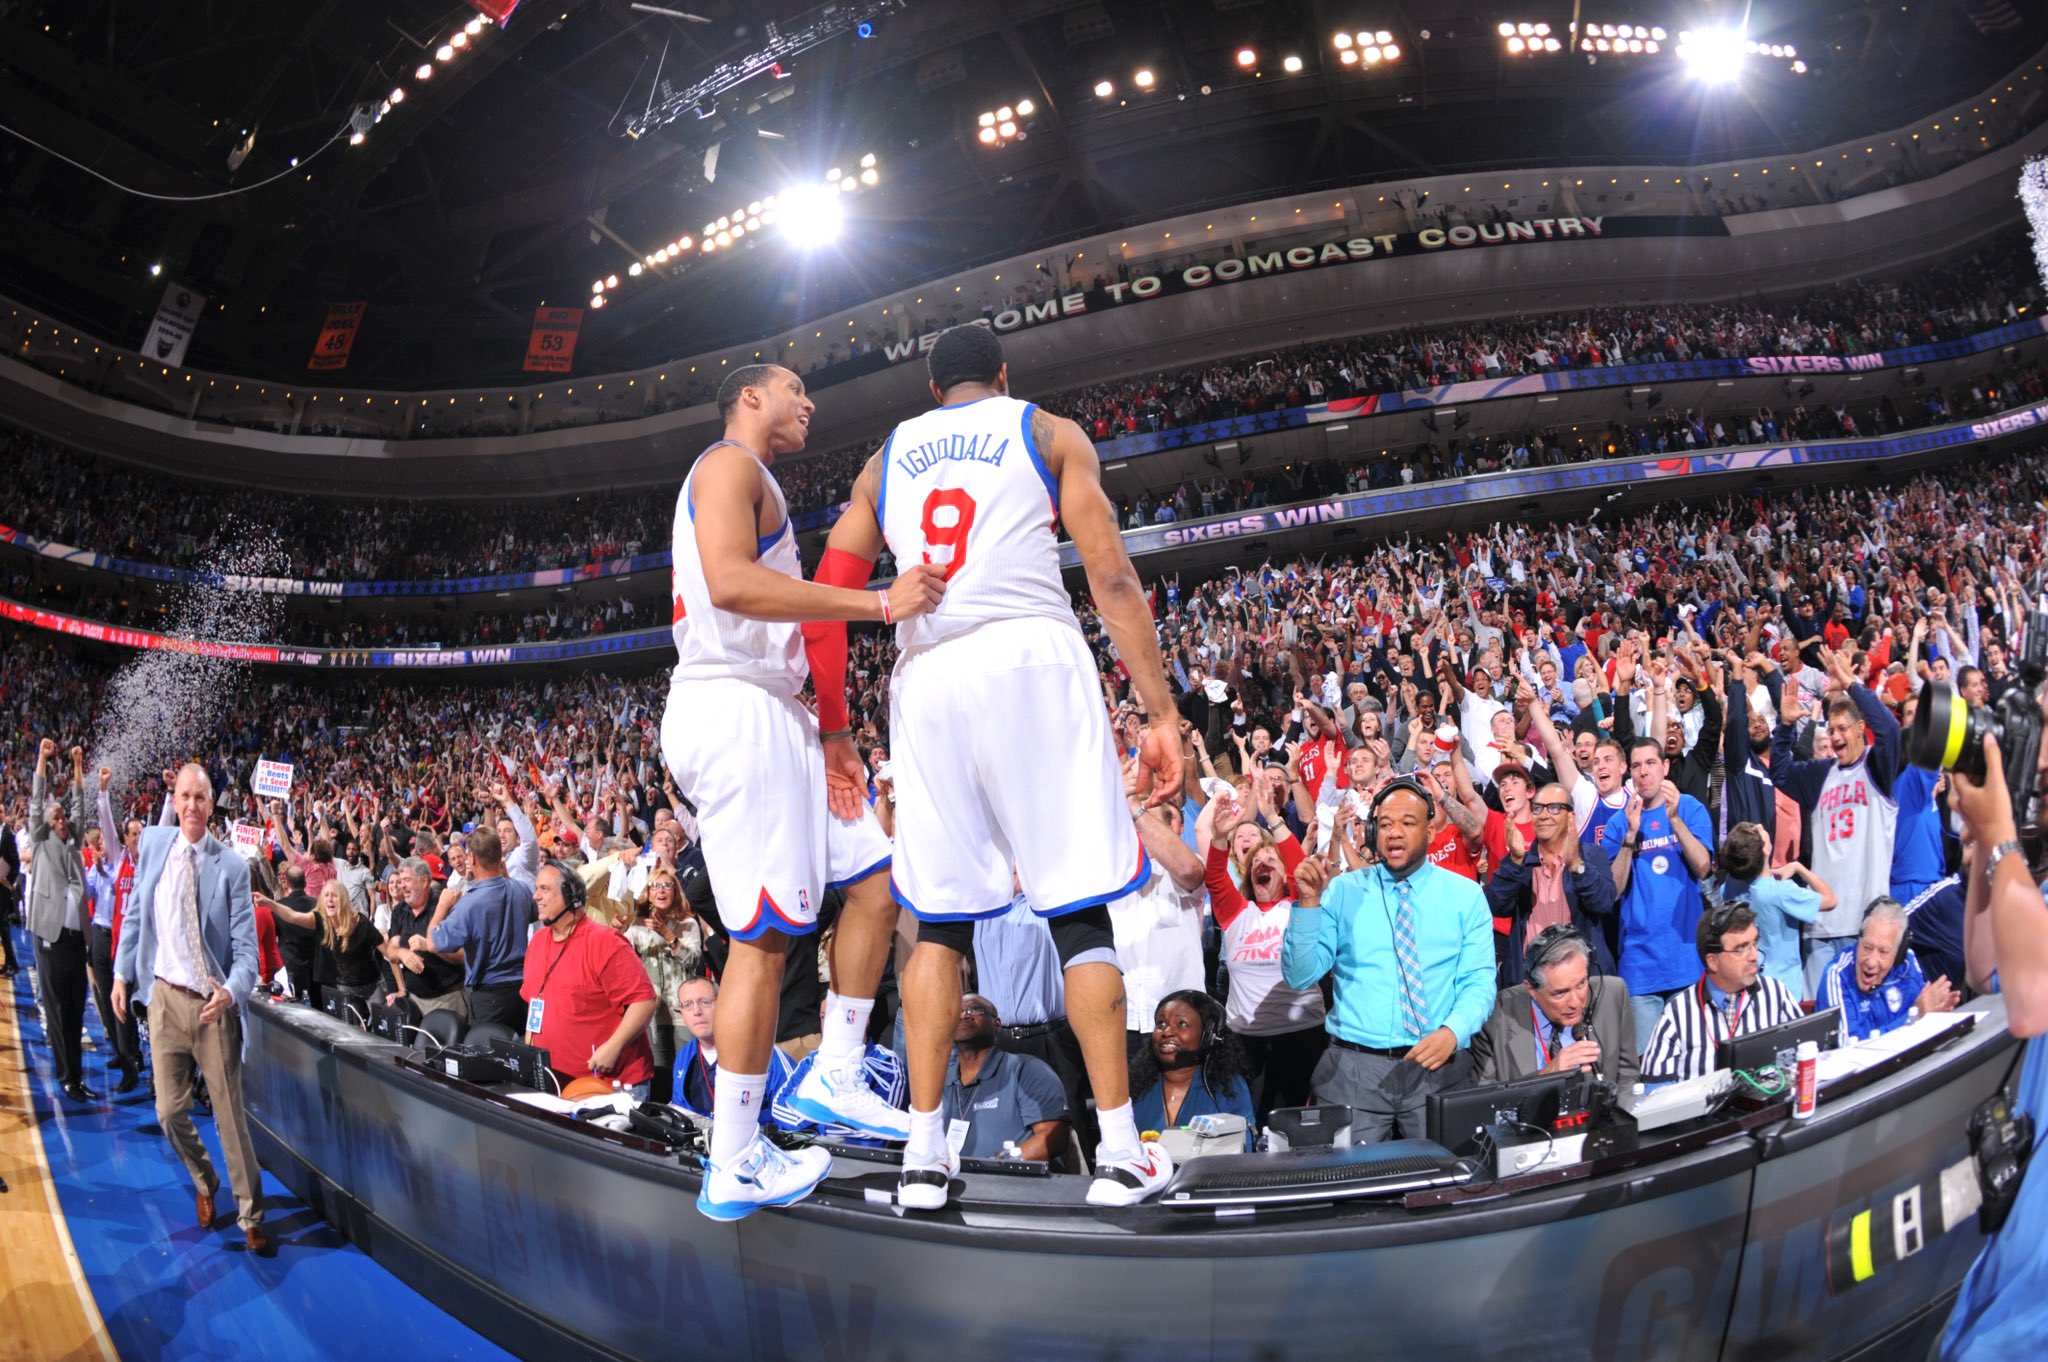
(1000,743)
(747,755)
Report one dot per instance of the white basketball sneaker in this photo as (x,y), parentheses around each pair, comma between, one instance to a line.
(761,1175)
(925,1183)
(1129,1180)
(835,1092)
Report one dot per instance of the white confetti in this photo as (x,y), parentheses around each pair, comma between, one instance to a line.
(2034,197)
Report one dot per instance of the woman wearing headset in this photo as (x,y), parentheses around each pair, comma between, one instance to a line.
(1193,1066)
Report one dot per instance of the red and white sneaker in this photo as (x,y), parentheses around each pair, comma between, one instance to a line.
(925,1183)
(1128,1181)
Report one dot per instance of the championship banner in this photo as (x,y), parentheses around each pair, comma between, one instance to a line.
(338,336)
(273,779)
(552,346)
(171,332)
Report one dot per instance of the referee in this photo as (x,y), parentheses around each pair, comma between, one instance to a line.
(1732,997)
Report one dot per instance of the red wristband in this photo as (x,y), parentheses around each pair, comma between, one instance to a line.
(887,617)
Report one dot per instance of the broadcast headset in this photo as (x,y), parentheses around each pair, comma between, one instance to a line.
(1397,784)
(574,893)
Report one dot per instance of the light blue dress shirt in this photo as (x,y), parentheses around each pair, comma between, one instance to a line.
(1352,933)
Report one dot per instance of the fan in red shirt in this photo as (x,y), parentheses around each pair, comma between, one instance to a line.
(1456,832)
(588,998)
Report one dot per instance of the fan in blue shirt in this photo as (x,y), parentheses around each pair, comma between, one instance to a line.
(1879,985)
(1663,847)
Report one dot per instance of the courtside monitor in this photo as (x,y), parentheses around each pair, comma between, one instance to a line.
(1458,1118)
(1777,1047)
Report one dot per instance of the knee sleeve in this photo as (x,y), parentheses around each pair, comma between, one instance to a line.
(954,936)
(1084,937)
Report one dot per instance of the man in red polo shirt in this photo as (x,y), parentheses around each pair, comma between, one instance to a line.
(588,999)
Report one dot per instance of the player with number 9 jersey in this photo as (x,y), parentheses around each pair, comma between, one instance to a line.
(1005,771)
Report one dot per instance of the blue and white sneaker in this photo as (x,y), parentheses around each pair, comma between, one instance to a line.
(761,1175)
(925,1183)
(837,1092)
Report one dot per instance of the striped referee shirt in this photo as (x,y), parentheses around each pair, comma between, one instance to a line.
(1682,1043)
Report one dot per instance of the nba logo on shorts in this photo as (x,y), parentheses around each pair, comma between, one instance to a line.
(803,901)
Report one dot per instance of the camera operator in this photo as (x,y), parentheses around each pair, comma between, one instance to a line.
(2002,1309)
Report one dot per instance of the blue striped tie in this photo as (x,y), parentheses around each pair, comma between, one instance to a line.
(1414,1006)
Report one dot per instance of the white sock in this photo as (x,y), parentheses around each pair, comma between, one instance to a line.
(846,1026)
(736,1114)
(1119,1133)
(927,1137)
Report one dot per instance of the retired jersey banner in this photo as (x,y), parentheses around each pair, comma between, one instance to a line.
(171,332)
(338,336)
(552,345)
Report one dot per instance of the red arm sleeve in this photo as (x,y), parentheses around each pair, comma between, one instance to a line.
(1224,899)
(825,640)
(1291,854)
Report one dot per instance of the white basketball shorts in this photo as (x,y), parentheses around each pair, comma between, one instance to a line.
(749,759)
(1002,757)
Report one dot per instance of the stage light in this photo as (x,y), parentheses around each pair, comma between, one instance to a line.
(444,53)
(398,94)
(1142,78)
(1715,55)
(1798,68)
(636,268)
(1657,32)
(1348,57)
(1341,41)
(847,182)
(597,286)
(355,139)
(754,223)
(1370,54)
(1524,30)
(1025,108)
(1291,65)
(1005,114)
(425,71)
(1006,128)
(474,26)
(1383,38)
(1247,58)
(1515,45)
(987,119)
(739,229)
(680,247)
(1391,51)
(813,216)
(1103,89)
(1507,30)
(458,40)
(869,177)
(724,237)
(988,136)
(612,281)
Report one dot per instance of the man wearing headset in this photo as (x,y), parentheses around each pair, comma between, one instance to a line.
(1411,949)
(588,999)
(1732,997)
(1562,1016)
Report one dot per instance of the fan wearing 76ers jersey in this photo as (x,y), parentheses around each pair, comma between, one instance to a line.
(1849,802)
(747,755)
(997,730)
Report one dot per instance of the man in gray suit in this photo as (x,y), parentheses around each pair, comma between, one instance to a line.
(56,915)
(1561,1017)
(188,954)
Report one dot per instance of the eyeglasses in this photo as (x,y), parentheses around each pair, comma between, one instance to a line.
(975,1010)
(1551,806)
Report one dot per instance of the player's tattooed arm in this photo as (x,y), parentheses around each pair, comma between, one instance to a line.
(1043,426)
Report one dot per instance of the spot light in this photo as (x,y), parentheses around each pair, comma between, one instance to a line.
(1291,64)
(1247,58)
(1142,78)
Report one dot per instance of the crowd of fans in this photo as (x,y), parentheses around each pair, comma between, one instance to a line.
(1566,690)
(110,508)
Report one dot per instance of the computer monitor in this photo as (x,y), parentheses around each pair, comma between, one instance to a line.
(387,1022)
(1457,1116)
(1775,1047)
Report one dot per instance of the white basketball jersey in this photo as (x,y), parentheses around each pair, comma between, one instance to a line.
(714,644)
(965,487)
(1854,824)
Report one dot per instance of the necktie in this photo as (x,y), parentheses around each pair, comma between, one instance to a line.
(1734,1015)
(1556,1032)
(195,946)
(1414,1007)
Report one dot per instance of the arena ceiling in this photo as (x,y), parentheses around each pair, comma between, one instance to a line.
(511,177)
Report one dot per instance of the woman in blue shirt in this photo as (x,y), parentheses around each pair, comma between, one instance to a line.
(1195,1066)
